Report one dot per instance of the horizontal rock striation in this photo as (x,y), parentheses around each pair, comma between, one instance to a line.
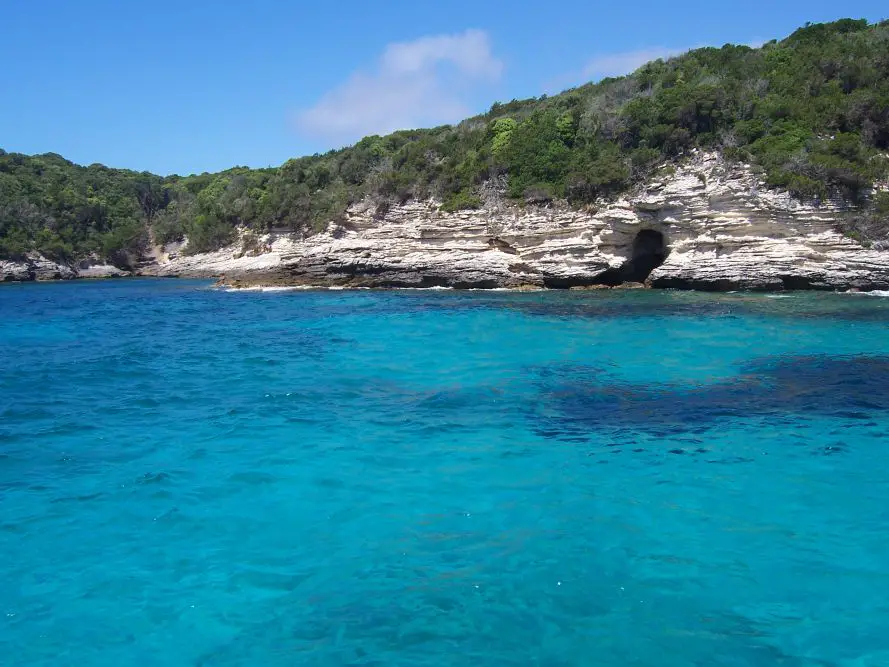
(709,224)
(719,227)
(37,267)
(34,267)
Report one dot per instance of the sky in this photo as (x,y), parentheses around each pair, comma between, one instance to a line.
(191,86)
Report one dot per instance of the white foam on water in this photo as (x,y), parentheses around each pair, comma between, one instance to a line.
(341,288)
(504,289)
(876,292)
(241,289)
(425,289)
(260,288)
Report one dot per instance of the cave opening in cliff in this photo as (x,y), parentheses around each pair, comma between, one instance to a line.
(648,252)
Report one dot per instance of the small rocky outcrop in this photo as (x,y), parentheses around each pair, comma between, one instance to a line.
(95,268)
(34,267)
(38,267)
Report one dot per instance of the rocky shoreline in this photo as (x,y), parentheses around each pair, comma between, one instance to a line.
(707,224)
(35,267)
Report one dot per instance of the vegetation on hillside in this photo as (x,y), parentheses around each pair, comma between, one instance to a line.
(811,111)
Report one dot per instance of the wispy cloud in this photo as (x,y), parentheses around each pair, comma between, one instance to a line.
(412,84)
(618,64)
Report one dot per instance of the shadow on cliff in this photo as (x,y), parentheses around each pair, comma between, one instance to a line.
(648,251)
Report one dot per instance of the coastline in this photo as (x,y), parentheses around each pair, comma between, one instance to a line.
(246,286)
(712,225)
(283,281)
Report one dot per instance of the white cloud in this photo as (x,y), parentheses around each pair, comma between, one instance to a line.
(414,84)
(618,64)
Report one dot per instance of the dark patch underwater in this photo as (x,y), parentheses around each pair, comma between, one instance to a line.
(581,400)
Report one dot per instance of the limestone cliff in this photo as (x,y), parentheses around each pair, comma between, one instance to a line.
(708,225)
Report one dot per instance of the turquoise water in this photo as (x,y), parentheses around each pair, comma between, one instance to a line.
(195,477)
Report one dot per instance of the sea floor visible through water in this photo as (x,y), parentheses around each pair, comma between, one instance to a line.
(190,476)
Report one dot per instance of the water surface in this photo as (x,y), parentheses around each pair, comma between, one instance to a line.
(196,477)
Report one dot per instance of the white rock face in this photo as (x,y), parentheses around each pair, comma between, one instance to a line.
(735,232)
(38,267)
(232,260)
(98,269)
(11,270)
(34,267)
(723,230)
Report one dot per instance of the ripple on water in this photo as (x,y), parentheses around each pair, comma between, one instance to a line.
(429,478)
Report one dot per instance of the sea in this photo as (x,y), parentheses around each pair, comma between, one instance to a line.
(194,476)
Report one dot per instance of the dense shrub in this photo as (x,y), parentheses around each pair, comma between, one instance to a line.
(459,201)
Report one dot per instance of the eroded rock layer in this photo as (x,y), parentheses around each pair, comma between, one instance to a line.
(708,225)
(718,226)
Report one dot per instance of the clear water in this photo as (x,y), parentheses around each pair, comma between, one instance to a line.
(195,477)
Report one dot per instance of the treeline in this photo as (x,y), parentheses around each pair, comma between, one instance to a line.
(811,111)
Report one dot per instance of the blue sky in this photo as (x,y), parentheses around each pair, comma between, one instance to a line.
(191,86)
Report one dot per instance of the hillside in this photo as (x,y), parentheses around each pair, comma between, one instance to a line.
(810,113)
